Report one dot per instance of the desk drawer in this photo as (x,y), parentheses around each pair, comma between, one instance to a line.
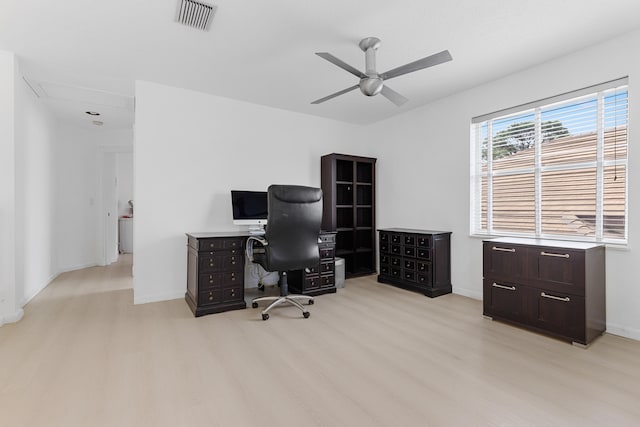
(326,253)
(219,280)
(218,243)
(222,295)
(327,281)
(326,267)
(209,263)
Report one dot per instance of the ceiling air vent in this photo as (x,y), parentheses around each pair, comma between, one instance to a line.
(195,14)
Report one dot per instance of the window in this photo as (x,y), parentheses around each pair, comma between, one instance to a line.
(555,168)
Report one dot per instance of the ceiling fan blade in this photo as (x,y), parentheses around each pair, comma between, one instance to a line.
(341,64)
(393,96)
(429,61)
(333,95)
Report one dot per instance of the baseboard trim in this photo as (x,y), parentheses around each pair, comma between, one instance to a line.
(146,299)
(624,332)
(12,318)
(48,281)
(468,293)
(77,267)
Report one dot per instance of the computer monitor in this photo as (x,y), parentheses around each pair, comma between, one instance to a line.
(250,208)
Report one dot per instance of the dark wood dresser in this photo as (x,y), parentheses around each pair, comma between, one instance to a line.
(322,278)
(215,272)
(418,260)
(553,287)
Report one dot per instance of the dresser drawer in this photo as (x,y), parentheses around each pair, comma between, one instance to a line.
(409,251)
(409,264)
(409,275)
(424,267)
(424,253)
(423,241)
(558,269)
(504,299)
(409,240)
(559,313)
(424,280)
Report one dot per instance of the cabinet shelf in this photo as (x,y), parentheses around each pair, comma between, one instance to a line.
(349,182)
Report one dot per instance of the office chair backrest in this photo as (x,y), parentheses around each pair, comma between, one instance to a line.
(293,227)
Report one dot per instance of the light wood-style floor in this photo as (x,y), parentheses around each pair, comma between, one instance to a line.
(370,355)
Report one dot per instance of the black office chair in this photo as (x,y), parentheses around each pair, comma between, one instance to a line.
(290,241)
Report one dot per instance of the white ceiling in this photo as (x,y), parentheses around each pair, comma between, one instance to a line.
(81,55)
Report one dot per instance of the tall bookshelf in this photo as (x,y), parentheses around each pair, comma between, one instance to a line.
(348,184)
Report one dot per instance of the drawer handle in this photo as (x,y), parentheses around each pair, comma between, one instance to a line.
(555,255)
(509,288)
(495,248)
(565,299)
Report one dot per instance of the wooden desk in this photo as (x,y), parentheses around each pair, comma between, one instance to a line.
(215,271)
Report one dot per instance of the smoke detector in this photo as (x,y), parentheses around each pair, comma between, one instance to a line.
(195,14)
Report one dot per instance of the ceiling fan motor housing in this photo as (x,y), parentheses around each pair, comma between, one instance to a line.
(371,85)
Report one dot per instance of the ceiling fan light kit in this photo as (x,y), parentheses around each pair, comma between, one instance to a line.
(371,83)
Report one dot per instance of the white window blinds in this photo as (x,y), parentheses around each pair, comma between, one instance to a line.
(554,168)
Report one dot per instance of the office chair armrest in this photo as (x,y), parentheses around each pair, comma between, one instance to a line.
(250,242)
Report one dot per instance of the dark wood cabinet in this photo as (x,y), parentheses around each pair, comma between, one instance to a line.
(348,186)
(320,279)
(418,260)
(553,287)
(215,272)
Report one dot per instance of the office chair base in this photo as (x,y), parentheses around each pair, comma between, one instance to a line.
(288,299)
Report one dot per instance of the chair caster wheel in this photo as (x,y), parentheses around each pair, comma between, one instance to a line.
(265,316)
(254,304)
(306,314)
(310,302)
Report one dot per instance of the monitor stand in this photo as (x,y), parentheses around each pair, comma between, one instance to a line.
(256,230)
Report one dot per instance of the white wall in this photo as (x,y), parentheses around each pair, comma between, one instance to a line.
(424,157)
(36,194)
(9,308)
(190,150)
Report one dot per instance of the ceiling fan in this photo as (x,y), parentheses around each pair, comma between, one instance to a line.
(372,83)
